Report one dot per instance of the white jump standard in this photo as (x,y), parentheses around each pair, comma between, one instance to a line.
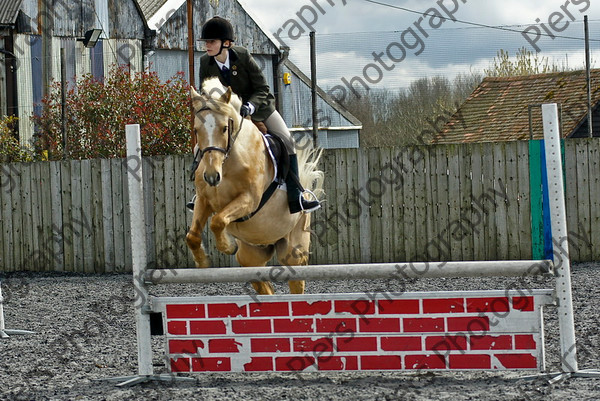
(487,330)
(4,332)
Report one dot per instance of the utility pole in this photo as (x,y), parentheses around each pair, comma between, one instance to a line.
(313,78)
(45,21)
(63,101)
(588,77)
(191,47)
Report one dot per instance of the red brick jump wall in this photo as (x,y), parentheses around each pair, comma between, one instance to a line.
(429,331)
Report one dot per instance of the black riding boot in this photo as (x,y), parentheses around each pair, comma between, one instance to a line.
(190,205)
(296,201)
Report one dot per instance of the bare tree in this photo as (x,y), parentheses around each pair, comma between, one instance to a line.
(399,119)
(525,63)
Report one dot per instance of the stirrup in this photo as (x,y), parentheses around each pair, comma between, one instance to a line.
(311,209)
(190,204)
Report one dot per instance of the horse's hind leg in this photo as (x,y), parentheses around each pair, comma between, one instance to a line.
(294,251)
(249,255)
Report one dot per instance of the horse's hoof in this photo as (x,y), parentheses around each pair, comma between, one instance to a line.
(229,249)
(235,249)
(203,264)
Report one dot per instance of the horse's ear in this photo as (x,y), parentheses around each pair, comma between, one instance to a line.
(197,100)
(226,97)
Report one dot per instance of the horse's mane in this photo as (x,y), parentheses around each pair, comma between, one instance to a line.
(213,89)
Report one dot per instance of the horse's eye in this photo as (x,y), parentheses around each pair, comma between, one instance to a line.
(224,129)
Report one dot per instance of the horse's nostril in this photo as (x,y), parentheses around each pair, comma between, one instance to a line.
(212,179)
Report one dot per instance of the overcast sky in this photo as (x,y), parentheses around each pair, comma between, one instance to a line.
(349,35)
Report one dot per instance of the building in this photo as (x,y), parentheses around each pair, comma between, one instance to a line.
(41,38)
(292,88)
(508,109)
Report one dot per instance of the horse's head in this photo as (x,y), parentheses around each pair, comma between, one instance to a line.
(216,125)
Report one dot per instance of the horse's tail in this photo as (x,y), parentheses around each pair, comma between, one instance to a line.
(308,164)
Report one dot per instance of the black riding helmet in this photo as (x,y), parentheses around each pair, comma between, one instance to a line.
(217,28)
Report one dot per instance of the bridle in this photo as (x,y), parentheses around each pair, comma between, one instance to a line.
(230,140)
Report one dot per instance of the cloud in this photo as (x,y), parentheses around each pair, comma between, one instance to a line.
(398,77)
(348,35)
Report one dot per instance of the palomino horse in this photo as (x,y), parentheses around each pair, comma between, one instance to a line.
(233,173)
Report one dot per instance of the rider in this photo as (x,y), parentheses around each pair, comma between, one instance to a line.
(236,68)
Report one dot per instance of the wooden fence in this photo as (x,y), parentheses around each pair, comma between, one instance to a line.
(457,202)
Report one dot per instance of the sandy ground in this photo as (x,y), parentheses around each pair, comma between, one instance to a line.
(84,331)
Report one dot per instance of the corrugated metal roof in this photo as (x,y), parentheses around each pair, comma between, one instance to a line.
(150,7)
(8,11)
(498,109)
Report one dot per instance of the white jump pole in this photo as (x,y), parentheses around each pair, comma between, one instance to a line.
(511,268)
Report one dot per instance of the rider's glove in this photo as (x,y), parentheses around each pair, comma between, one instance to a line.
(246,110)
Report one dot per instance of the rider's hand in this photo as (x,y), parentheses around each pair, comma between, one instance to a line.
(246,110)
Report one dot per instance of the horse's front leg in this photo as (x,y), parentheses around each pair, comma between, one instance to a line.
(194,235)
(241,206)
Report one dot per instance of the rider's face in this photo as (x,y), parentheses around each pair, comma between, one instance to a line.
(212,46)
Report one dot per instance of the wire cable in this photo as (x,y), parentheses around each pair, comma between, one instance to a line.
(497,27)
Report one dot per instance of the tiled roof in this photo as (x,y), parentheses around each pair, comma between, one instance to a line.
(8,11)
(498,109)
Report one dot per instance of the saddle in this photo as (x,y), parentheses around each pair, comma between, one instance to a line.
(281,161)
(279,155)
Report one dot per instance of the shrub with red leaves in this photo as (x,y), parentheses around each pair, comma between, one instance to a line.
(97,113)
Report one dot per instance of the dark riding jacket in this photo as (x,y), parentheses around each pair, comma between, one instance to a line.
(245,78)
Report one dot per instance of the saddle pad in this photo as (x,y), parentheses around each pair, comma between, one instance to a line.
(279,156)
